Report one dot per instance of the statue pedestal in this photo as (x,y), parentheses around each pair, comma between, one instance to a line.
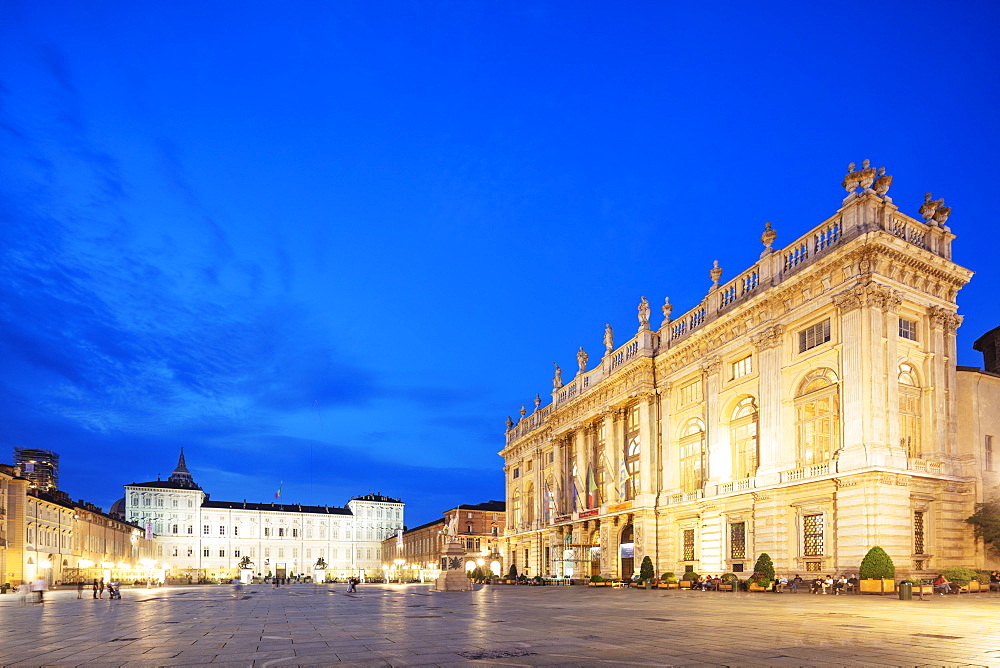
(453,577)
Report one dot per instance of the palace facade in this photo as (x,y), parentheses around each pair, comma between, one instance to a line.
(809,408)
(197,538)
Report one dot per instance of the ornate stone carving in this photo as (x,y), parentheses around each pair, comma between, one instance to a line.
(609,339)
(868,294)
(769,337)
(768,237)
(716,273)
(581,360)
(846,482)
(761,496)
(637,537)
(862,179)
(643,314)
(523,411)
(711,365)
(882,183)
(929,208)
(557,378)
(667,309)
(942,318)
(538,400)
(510,423)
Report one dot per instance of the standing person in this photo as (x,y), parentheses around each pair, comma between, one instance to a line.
(237,587)
(100,589)
(79,589)
(95,587)
(38,586)
(22,593)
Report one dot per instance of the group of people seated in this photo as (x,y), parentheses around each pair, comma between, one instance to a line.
(821,584)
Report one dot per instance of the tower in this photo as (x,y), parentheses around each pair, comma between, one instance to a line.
(40,467)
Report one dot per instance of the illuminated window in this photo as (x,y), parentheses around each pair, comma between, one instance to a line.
(737,540)
(743,434)
(690,393)
(814,336)
(909,411)
(817,410)
(812,535)
(633,450)
(688,544)
(907,329)
(742,367)
(692,451)
(918,532)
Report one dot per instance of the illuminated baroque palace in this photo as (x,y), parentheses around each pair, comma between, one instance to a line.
(809,408)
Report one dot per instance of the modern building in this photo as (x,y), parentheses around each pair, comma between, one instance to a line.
(808,408)
(202,539)
(40,467)
(415,554)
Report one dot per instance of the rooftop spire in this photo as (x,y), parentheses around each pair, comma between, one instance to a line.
(181,475)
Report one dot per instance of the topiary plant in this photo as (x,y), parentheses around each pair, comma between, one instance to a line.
(646,569)
(596,578)
(668,577)
(729,578)
(876,565)
(689,576)
(763,570)
(512,573)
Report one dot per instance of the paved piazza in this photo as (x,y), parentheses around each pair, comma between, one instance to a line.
(412,625)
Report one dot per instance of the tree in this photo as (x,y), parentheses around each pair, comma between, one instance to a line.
(646,569)
(763,570)
(876,565)
(512,573)
(986,522)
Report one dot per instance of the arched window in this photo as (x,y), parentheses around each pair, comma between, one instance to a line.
(529,503)
(909,410)
(817,417)
(743,435)
(692,462)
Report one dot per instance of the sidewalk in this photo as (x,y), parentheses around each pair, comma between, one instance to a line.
(410,625)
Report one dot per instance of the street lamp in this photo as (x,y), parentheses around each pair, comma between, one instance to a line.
(399,569)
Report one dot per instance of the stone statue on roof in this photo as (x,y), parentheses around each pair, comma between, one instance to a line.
(581,359)
(609,339)
(643,314)
(557,378)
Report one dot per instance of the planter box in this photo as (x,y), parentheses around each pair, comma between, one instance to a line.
(684,584)
(756,587)
(668,585)
(884,586)
(725,587)
(605,583)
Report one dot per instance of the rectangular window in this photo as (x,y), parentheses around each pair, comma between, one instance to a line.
(175,529)
(812,535)
(295,533)
(988,452)
(528,465)
(205,529)
(813,566)
(918,532)
(742,367)
(236,531)
(204,552)
(495,531)
(190,551)
(738,540)
(222,531)
(281,531)
(907,329)
(267,531)
(267,552)
(690,393)
(814,336)
(688,545)
(281,552)
(222,553)
(236,553)
(517,473)
(469,527)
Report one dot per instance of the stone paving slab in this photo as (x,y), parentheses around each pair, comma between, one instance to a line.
(411,625)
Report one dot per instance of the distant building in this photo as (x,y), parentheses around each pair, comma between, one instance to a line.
(39,467)
(43,534)
(415,554)
(809,408)
(198,538)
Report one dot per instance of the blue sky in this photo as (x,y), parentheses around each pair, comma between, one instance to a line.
(335,244)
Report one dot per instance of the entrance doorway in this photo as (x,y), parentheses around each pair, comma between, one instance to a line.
(627,552)
(279,571)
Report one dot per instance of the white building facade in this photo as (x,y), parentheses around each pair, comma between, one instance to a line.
(200,539)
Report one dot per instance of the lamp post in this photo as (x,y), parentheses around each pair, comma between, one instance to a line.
(399,569)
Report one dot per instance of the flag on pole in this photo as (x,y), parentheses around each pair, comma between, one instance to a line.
(593,494)
(277,494)
(575,493)
(399,537)
(546,508)
(622,481)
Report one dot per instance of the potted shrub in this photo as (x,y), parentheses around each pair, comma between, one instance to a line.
(688,579)
(763,574)
(877,572)
(597,581)
(668,581)
(646,572)
(728,582)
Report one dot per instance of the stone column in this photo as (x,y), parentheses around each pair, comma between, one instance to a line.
(717,458)
(647,443)
(855,385)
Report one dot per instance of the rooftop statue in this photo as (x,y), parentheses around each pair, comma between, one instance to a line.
(609,339)
(581,359)
(643,314)
(557,379)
